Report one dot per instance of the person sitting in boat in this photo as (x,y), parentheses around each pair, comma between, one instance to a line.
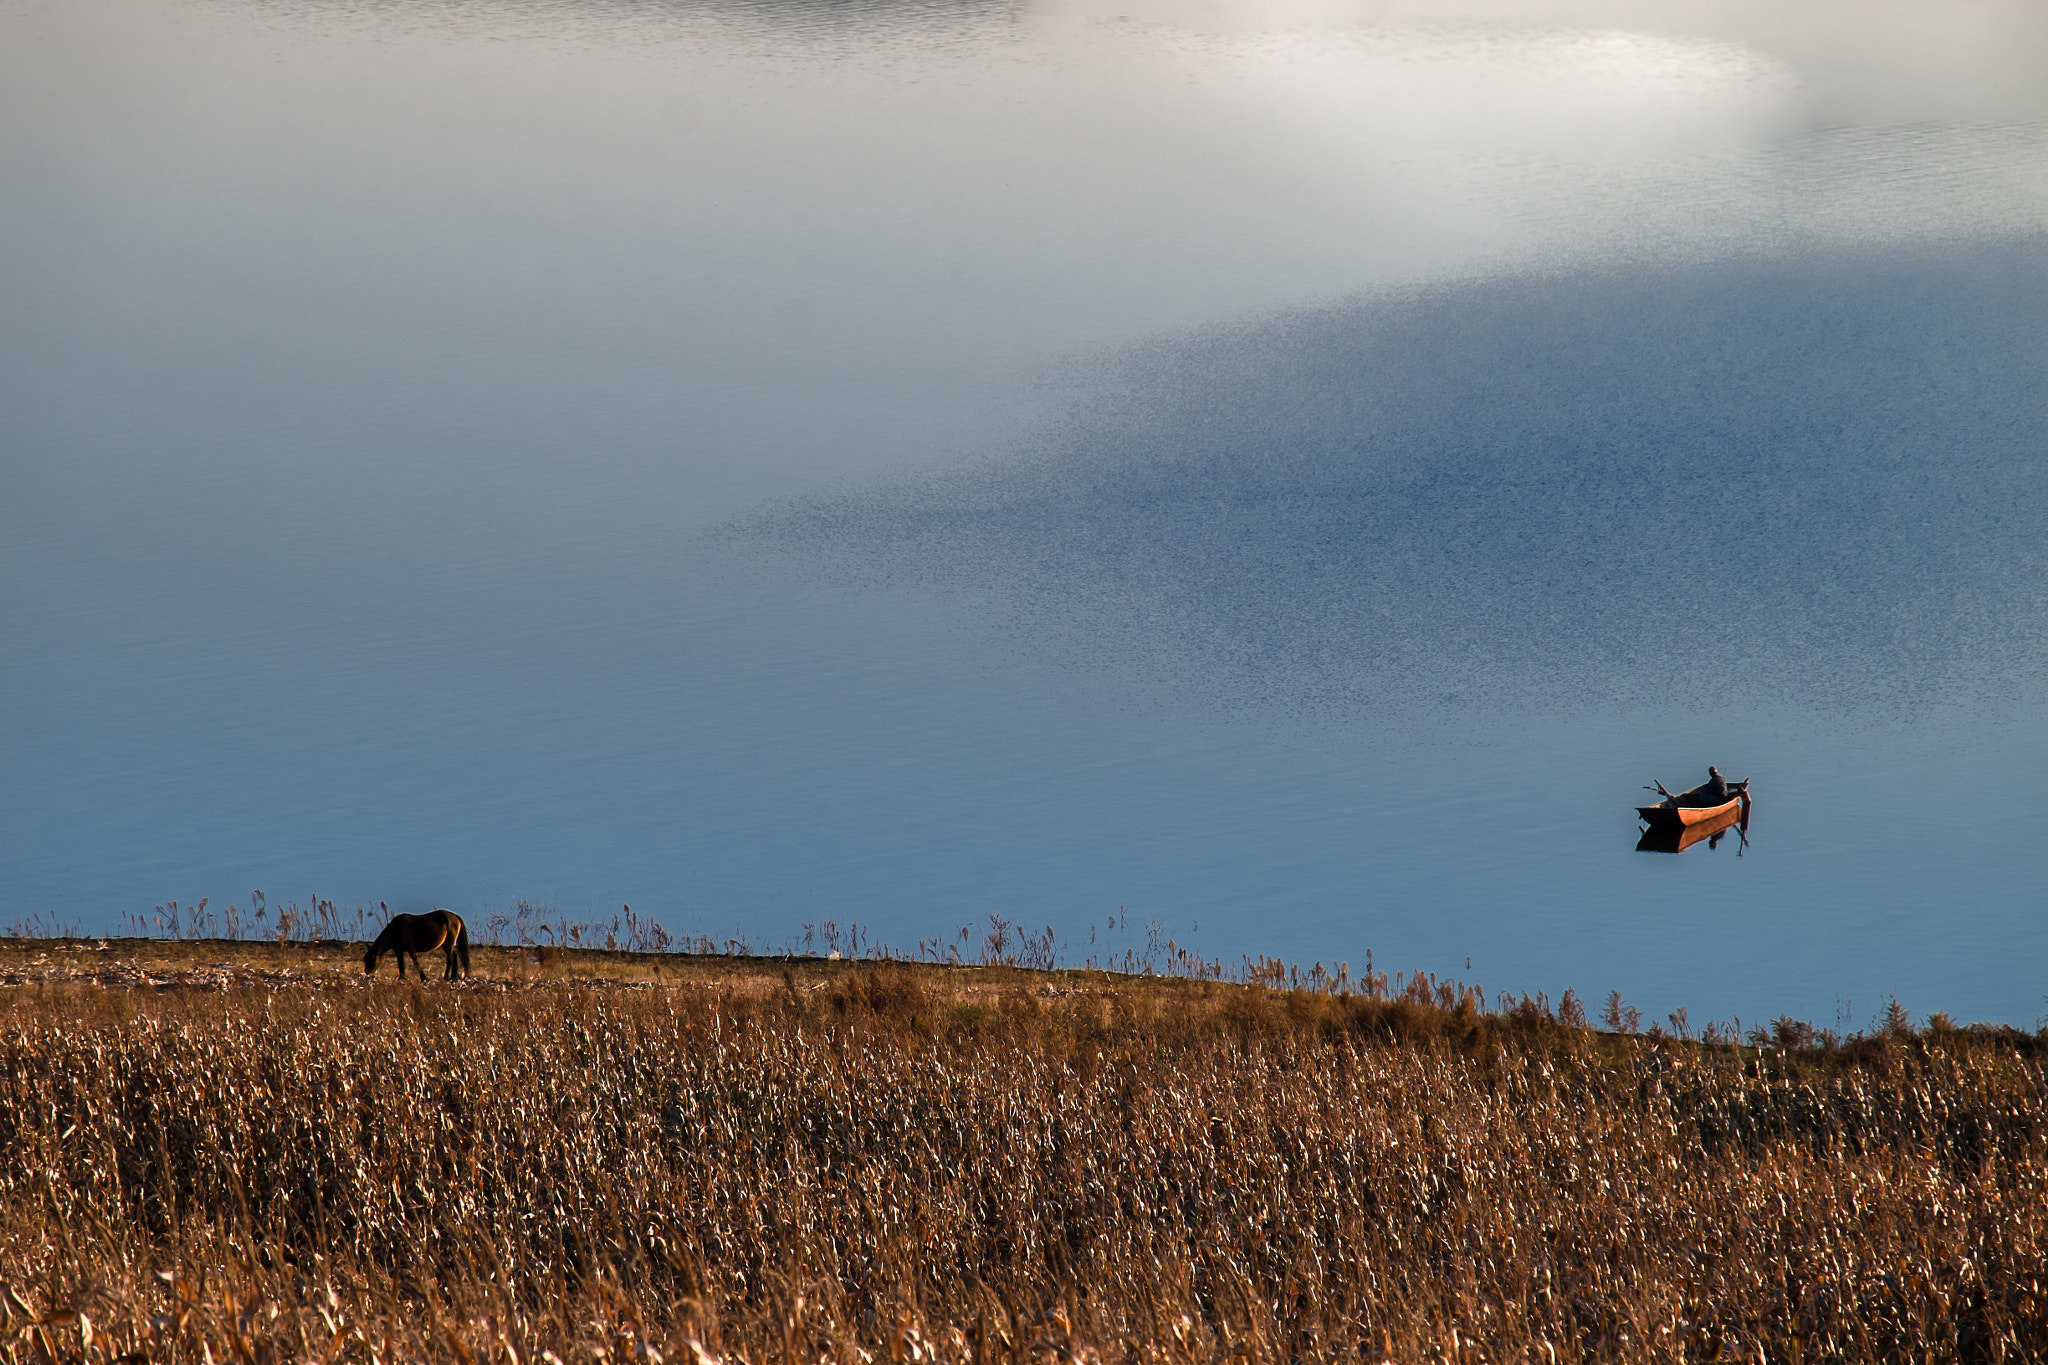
(1715,791)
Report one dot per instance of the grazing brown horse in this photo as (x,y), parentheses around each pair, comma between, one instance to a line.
(415,934)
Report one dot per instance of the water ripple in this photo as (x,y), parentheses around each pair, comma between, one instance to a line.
(1823,480)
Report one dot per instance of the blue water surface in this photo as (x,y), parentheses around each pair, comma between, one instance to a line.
(911,464)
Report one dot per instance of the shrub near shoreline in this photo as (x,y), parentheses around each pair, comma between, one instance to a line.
(918,1164)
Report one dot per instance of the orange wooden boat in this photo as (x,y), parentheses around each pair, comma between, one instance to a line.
(1693,823)
(1688,816)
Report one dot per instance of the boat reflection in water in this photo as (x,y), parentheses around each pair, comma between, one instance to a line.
(1671,829)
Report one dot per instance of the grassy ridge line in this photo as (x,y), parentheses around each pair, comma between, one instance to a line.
(824,1160)
(219,963)
(212,964)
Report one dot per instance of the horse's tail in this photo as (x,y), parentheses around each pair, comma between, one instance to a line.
(462,943)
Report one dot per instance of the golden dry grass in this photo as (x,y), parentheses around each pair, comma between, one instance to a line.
(251,1156)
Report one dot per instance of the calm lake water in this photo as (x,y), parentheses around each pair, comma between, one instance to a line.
(1288,474)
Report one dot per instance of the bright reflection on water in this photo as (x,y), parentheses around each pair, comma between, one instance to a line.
(1297,471)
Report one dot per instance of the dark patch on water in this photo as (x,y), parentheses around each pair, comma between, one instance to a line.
(1824,480)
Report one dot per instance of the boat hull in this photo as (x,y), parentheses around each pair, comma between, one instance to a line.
(1685,817)
(1672,837)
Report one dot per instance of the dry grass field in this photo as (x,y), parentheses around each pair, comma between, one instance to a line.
(219,1152)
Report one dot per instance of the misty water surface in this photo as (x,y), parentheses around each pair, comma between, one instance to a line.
(1292,471)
